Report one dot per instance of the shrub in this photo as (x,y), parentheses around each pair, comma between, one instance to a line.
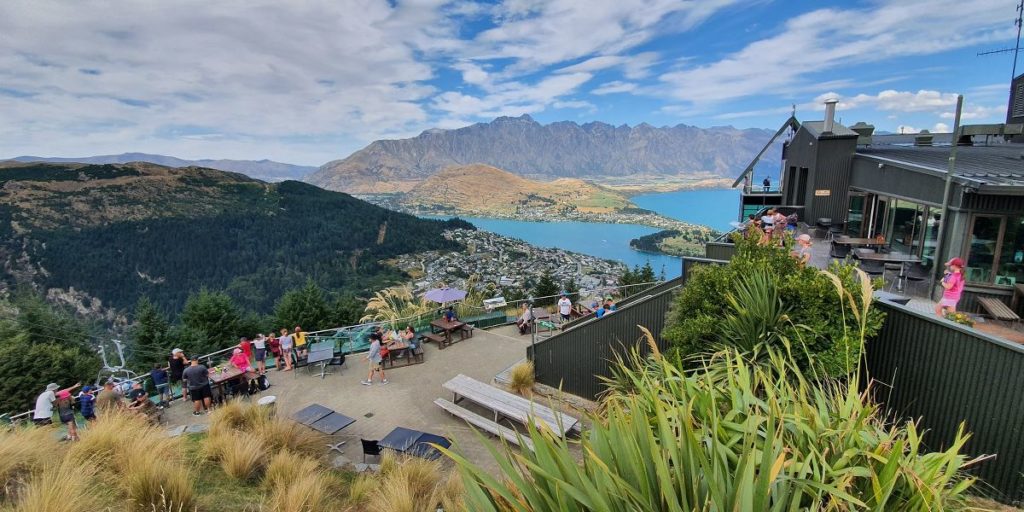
(24,452)
(809,314)
(62,487)
(960,318)
(521,377)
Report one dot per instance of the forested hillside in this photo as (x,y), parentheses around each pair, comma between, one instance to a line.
(120,232)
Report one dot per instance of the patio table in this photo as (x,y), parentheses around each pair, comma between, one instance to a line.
(220,378)
(321,353)
(414,442)
(448,328)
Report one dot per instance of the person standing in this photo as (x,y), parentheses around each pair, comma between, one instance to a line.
(175,367)
(108,399)
(246,346)
(767,183)
(66,413)
(87,403)
(43,413)
(564,307)
(162,384)
(802,253)
(768,220)
(375,358)
(260,344)
(953,287)
(287,349)
(300,342)
(197,378)
(274,345)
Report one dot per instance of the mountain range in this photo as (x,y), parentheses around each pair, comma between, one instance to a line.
(265,170)
(593,151)
(117,232)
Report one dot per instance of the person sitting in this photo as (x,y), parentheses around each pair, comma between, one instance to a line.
(144,407)
(409,336)
(449,315)
(802,252)
(524,320)
(240,361)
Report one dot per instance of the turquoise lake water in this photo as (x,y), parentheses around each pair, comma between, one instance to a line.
(715,208)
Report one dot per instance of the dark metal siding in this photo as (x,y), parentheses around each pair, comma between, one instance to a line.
(802,151)
(990,203)
(831,171)
(575,360)
(654,290)
(945,374)
(719,250)
(919,186)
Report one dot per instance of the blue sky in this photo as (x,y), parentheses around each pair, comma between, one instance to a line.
(307,82)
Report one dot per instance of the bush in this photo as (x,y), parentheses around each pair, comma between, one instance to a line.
(808,314)
(521,377)
(733,435)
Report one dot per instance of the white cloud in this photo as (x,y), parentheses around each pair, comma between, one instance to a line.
(903,128)
(941,128)
(977,112)
(614,87)
(825,39)
(893,101)
(509,99)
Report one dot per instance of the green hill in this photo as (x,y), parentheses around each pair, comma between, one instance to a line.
(121,231)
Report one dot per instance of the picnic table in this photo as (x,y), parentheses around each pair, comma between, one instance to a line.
(401,348)
(509,405)
(867,242)
(447,328)
(226,374)
(415,443)
(323,420)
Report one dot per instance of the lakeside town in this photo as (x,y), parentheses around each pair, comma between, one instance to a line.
(508,263)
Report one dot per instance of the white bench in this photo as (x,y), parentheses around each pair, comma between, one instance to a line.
(508,405)
(485,424)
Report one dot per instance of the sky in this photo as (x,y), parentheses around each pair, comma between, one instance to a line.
(306,82)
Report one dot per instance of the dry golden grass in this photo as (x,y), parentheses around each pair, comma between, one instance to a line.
(63,487)
(406,484)
(310,492)
(521,378)
(152,484)
(24,452)
(115,440)
(285,466)
(241,456)
(281,434)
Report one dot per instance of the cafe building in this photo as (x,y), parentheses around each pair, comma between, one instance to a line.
(891,187)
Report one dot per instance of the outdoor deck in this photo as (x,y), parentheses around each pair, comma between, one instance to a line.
(406,401)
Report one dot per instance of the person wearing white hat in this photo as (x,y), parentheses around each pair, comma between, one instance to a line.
(803,249)
(43,413)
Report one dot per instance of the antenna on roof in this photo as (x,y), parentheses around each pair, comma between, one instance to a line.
(1016,48)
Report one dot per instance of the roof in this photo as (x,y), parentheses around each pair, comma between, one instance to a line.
(838,131)
(790,123)
(992,169)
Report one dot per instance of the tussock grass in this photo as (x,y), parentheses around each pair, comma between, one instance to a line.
(281,434)
(65,487)
(24,452)
(521,378)
(116,440)
(236,415)
(286,466)
(406,484)
(153,485)
(307,492)
(242,456)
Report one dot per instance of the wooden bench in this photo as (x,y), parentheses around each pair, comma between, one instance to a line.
(997,309)
(436,338)
(485,424)
(467,331)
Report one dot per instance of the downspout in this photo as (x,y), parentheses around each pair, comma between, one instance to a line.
(939,239)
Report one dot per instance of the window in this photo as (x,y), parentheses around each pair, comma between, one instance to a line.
(996,252)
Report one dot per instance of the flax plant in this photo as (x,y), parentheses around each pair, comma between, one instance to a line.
(745,430)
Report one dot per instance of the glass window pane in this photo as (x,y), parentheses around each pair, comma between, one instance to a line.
(1011,256)
(855,216)
(905,220)
(931,234)
(982,252)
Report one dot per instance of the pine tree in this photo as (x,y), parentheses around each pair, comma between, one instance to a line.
(546,290)
(572,288)
(149,336)
(214,315)
(306,307)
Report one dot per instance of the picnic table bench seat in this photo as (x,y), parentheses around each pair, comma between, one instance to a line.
(485,424)
(998,309)
(436,338)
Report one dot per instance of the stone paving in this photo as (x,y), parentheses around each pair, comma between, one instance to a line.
(406,401)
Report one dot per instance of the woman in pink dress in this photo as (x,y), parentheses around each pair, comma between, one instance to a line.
(953,287)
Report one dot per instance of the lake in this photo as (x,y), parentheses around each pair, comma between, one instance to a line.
(715,208)
(712,207)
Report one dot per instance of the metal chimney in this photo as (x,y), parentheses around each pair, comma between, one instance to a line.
(830,114)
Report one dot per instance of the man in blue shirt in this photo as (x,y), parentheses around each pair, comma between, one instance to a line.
(161,381)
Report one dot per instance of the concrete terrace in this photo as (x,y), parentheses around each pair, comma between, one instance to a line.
(406,401)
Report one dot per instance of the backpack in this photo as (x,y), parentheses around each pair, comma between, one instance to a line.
(253,387)
(262,382)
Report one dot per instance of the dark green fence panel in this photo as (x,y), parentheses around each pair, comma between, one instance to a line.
(944,374)
(625,301)
(575,360)
(719,250)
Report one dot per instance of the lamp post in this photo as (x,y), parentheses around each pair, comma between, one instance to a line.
(533,328)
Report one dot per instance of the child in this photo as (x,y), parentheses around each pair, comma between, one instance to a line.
(162,384)
(246,347)
(953,287)
(87,403)
(67,413)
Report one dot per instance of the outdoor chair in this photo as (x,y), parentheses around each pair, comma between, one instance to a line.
(839,251)
(916,273)
(873,268)
(370,447)
(896,282)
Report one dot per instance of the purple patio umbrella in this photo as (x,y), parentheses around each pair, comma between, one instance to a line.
(443,295)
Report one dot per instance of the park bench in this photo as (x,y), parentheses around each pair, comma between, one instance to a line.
(485,424)
(997,309)
(436,338)
(509,405)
